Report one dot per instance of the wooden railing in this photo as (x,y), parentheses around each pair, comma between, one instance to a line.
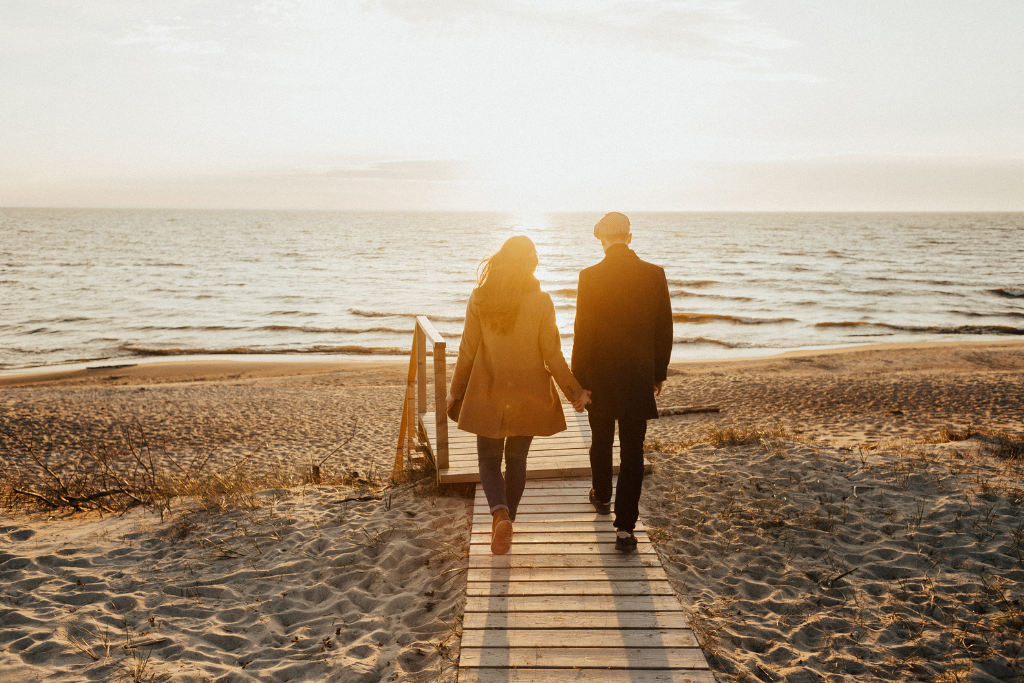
(415,406)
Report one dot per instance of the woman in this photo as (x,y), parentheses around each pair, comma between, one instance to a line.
(509,360)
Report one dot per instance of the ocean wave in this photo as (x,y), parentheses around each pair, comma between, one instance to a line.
(982,314)
(844,323)
(718,342)
(335,330)
(692,283)
(176,328)
(302,313)
(932,329)
(702,318)
(390,314)
(570,291)
(350,349)
(1009,292)
(678,293)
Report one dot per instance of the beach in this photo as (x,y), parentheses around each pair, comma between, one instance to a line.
(814,464)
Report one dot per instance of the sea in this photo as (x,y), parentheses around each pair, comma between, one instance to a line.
(90,285)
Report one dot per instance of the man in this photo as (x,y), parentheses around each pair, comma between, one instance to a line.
(621,351)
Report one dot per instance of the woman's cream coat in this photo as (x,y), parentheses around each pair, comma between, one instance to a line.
(507,381)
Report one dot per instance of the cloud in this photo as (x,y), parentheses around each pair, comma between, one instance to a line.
(708,30)
(426,170)
(169,38)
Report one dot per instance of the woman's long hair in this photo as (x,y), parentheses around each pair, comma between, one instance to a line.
(502,280)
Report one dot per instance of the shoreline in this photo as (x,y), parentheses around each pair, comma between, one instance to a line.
(214,367)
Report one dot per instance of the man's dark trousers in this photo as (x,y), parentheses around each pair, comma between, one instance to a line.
(631,466)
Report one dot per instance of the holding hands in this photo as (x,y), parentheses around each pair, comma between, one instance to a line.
(582,402)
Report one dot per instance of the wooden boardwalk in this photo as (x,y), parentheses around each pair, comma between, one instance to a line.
(564,605)
(566,454)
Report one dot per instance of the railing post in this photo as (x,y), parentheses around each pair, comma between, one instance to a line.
(440,404)
(426,334)
(410,399)
(421,370)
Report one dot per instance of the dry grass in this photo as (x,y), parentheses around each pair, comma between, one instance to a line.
(133,471)
(729,435)
(1003,444)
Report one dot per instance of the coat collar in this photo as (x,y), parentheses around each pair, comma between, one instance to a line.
(617,251)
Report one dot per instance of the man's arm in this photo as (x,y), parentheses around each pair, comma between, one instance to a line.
(662,329)
(581,338)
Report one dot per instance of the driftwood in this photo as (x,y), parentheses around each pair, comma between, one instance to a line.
(686,410)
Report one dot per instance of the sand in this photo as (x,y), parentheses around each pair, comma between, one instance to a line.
(759,539)
(316,584)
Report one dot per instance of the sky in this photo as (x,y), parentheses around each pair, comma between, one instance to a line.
(521,105)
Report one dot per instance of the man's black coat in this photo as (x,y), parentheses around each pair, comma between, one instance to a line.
(623,335)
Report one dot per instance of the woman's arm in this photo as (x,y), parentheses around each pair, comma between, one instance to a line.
(551,350)
(467,351)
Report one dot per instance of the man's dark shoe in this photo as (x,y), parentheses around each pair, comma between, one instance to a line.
(625,541)
(602,508)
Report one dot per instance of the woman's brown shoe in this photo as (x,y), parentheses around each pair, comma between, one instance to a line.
(501,532)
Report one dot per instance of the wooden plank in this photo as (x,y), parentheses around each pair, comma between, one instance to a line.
(485,561)
(440,440)
(505,675)
(542,488)
(465,440)
(561,549)
(568,497)
(591,516)
(421,370)
(548,449)
(537,487)
(574,620)
(585,657)
(407,426)
(498,574)
(552,447)
(546,497)
(428,329)
(603,523)
(542,508)
(555,538)
(580,603)
(469,475)
(468,438)
(568,588)
(543,638)
(553,459)
(470,456)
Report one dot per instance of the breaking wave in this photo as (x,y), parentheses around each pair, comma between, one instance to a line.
(932,329)
(702,318)
(692,283)
(335,330)
(1009,292)
(350,349)
(719,342)
(391,314)
(677,293)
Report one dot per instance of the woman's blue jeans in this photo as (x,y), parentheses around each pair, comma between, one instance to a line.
(503,492)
